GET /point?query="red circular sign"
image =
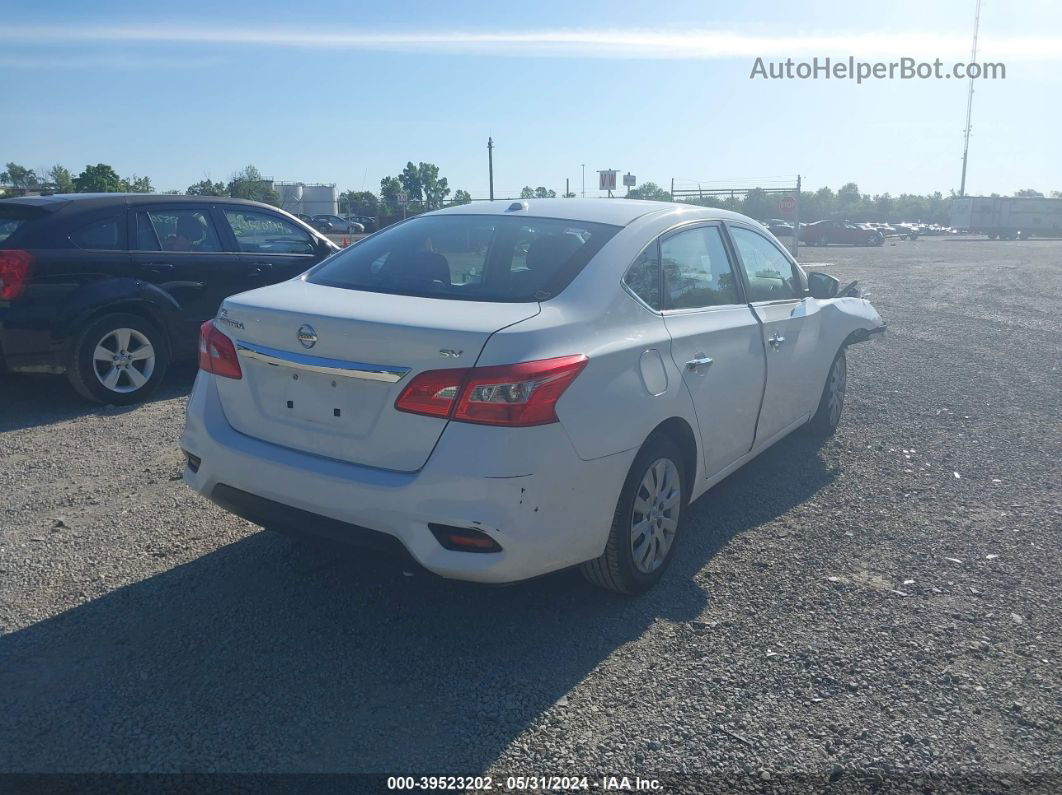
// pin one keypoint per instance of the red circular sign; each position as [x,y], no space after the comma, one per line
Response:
[787,203]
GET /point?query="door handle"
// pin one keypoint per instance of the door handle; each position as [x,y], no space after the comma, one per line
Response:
[261,267]
[776,342]
[157,267]
[700,360]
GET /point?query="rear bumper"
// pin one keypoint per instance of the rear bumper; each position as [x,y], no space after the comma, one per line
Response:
[27,345]
[524,487]
[296,522]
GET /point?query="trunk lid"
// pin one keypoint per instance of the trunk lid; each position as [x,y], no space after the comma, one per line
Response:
[322,366]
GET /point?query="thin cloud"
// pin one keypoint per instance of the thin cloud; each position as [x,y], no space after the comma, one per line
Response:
[130,61]
[605,43]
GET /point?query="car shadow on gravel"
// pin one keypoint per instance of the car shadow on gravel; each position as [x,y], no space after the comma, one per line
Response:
[29,400]
[269,655]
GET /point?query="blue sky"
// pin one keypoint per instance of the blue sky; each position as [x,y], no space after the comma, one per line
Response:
[348,92]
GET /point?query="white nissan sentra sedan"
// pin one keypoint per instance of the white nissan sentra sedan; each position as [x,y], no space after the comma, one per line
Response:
[504,389]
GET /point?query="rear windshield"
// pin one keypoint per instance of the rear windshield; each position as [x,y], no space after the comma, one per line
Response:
[468,258]
[10,220]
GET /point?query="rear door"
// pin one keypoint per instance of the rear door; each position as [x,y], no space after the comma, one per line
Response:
[790,328]
[270,247]
[716,340]
[178,248]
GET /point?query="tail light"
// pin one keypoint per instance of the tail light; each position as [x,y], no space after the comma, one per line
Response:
[509,394]
[217,354]
[15,267]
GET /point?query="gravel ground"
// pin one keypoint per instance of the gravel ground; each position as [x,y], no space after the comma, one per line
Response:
[887,605]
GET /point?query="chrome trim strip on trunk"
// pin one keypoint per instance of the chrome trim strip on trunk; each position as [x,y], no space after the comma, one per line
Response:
[319,364]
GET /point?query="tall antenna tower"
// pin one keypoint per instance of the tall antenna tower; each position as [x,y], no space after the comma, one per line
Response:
[969,101]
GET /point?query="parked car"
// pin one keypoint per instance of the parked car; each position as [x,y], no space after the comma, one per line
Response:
[595,367]
[109,288]
[336,225]
[368,222]
[907,231]
[822,233]
[779,227]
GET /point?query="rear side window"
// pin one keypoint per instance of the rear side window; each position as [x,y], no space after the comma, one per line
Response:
[643,277]
[183,229]
[468,257]
[102,234]
[260,232]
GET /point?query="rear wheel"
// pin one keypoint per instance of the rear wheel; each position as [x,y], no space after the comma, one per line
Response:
[831,404]
[119,358]
[647,521]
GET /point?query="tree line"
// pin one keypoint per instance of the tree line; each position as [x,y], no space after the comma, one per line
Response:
[424,189]
[847,203]
[99,178]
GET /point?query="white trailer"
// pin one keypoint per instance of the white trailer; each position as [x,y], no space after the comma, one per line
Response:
[1008,217]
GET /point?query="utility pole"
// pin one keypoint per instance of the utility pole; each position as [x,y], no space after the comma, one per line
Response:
[567,190]
[584,180]
[490,165]
[672,189]
[969,101]
[796,221]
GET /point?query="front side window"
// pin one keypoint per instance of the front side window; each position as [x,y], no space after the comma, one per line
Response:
[101,234]
[188,230]
[770,274]
[259,232]
[468,257]
[697,270]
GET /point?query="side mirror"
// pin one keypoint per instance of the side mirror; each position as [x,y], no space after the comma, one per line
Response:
[822,285]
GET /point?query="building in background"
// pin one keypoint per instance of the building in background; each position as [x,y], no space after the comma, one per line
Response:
[307,198]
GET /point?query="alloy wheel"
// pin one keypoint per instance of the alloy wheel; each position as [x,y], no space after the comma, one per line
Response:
[123,360]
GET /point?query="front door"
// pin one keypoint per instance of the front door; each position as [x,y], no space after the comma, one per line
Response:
[790,327]
[271,248]
[715,341]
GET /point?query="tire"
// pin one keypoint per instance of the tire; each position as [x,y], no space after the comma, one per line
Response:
[831,404]
[619,568]
[139,352]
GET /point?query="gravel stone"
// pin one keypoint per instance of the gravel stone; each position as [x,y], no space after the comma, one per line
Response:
[155,632]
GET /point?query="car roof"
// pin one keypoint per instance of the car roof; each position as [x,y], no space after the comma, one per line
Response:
[617,211]
[54,201]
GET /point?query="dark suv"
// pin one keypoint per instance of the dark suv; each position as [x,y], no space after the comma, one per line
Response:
[109,288]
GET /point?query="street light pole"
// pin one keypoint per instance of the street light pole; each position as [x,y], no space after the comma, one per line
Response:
[490,165]
[584,180]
